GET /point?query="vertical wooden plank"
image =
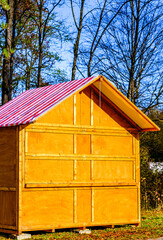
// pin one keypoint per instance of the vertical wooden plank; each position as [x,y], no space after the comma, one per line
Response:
[75,206]
[91,161]
[74,107]
[92,205]
[75,161]
[19,177]
[74,147]
[100,100]
[75,170]
[91,107]
[138,174]
[134,153]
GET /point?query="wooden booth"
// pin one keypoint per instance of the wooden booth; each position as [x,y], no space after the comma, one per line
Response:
[69,157]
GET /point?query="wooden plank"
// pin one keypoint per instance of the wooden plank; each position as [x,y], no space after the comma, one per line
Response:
[92,205]
[75,161]
[77,225]
[91,161]
[82,129]
[7,227]
[9,231]
[20,176]
[67,188]
[79,184]
[68,157]
[51,126]
[74,106]
[75,205]
[91,107]
[100,100]
[8,189]
[138,175]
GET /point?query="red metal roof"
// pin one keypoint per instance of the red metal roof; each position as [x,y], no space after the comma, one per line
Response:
[34,102]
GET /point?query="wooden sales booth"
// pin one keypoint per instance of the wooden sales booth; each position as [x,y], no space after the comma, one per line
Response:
[69,157]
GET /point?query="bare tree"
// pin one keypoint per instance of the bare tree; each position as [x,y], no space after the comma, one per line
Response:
[42,19]
[79,29]
[132,52]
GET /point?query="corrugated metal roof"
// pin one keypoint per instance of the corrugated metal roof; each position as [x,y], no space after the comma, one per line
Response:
[32,103]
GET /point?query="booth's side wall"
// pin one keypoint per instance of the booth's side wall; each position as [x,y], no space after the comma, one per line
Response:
[80,167]
[8,160]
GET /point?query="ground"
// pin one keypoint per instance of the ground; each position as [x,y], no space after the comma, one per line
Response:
[151,228]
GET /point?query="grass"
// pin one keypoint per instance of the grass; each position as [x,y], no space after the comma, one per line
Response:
[151,227]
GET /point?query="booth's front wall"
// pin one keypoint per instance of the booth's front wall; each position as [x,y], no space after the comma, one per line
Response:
[80,167]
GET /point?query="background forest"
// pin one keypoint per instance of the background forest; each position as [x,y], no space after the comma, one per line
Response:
[44,42]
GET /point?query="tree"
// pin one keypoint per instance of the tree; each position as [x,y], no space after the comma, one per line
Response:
[131,52]
[6,83]
[77,40]
[92,27]
[34,27]
[16,17]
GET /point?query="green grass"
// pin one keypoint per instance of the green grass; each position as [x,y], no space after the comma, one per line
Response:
[151,227]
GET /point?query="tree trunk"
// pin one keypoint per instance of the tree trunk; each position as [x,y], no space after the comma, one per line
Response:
[6,81]
[76,44]
[39,82]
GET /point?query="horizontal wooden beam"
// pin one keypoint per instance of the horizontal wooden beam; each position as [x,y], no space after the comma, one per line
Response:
[7,227]
[82,132]
[77,225]
[8,189]
[69,127]
[67,157]
[79,184]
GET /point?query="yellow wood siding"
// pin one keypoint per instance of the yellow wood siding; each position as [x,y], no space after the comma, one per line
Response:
[79,167]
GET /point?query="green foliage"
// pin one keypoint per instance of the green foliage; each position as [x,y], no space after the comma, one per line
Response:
[6,53]
[4,4]
[3,25]
[152,151]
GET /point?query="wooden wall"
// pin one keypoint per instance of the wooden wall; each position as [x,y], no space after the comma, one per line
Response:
[8,159]
[81,166]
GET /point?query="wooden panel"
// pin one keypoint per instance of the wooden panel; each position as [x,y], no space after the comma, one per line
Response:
[50,143]
[106,115]
[8,157]
[112,145]
[83,171]
[116,205]
[83,144]
[7,208]
[47,208]
[85,107]
[60,114]
[48,171]
[112,171]
[83,206]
